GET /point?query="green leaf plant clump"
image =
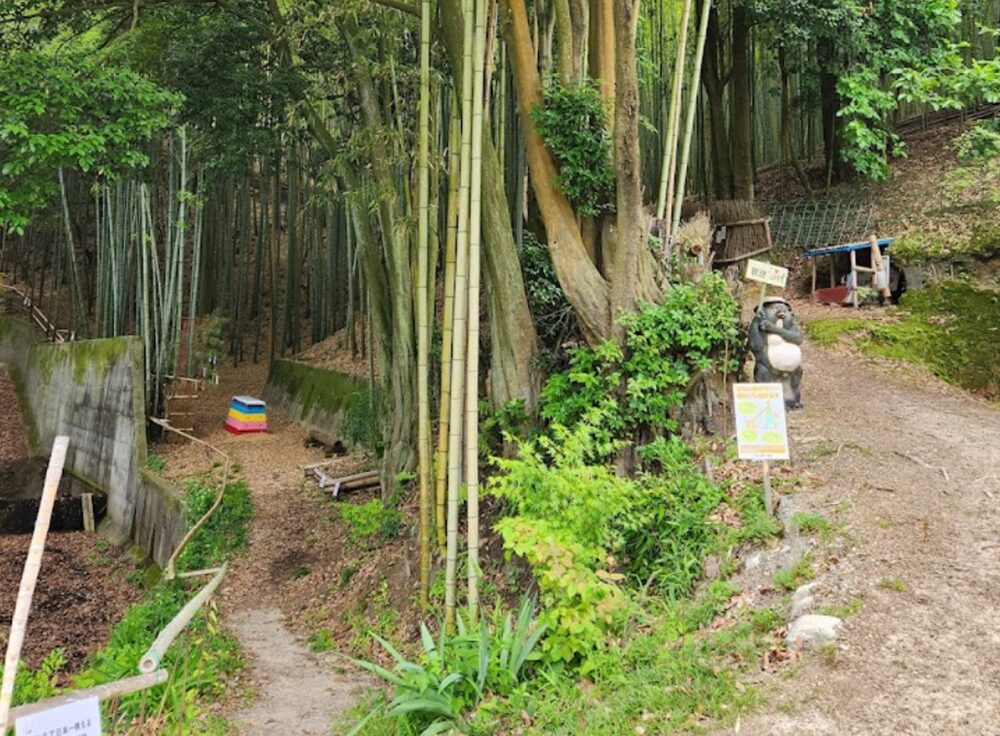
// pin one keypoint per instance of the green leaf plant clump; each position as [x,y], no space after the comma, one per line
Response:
[632,394]
[72,113]
[571,122]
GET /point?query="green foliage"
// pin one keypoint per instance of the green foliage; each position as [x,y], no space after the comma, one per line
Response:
[370,521]
[73,113]
[361,424]
[226,531]
[200,662]
[587,534]
[801,572]
[981,141]
[457,671]
[155,463]
[321,641]
[809,523]
[633,392]
[553,315]
[34,685]
[571,121]
[945,328]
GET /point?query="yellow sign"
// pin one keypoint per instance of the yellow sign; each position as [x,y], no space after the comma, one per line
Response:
[761,432]
[767,273]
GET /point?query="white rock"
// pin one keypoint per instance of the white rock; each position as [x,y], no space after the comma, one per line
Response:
[812,631]
[801,606]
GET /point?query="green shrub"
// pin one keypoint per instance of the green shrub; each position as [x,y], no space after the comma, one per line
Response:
[367,522]
[361,421]
[981,141]
[34,685]
[630,394]
[155,463]
[456,672]
[321,641]
[225,532]
[571,121]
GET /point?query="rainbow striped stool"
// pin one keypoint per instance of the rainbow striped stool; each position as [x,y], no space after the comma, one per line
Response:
[246,414]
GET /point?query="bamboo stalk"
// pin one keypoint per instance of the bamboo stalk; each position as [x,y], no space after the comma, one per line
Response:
[472,344]
[459,327]
[451,238]
[689,124]
[668,168]
[32,566]
[423,322]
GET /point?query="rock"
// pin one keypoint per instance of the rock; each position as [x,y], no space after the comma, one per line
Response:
[753,561]
[786,511]
[801,607]
[812,631]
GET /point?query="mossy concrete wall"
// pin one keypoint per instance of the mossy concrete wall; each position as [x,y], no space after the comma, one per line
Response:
[92,391]
[316,397]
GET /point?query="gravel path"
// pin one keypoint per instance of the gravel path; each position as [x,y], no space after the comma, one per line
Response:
[913,468]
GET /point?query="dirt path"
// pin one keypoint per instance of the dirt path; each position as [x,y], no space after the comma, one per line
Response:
[922,656]
[295,692]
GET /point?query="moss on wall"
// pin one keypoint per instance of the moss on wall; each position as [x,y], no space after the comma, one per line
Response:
[316,388]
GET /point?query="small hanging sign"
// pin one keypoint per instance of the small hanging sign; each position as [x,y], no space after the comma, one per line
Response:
[79,718]
[767,273]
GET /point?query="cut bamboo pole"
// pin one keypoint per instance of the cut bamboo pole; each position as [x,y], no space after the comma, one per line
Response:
[32,567]
[107,691]
[87,502]
[151,659]
[669,166]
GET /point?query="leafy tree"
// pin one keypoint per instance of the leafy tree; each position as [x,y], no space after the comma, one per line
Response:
[69,113]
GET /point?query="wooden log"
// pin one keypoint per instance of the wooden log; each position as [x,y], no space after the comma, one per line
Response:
[878,266]
[87,501]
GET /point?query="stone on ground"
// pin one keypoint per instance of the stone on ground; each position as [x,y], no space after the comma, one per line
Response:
[812,631]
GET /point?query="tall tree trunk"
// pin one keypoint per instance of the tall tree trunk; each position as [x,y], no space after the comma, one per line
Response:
[741,113]
[829,104]
[715,79]
[602,51]
[583,284]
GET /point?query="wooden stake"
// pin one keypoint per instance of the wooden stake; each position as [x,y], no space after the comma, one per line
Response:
[87,501]
[32,567]
[768,497]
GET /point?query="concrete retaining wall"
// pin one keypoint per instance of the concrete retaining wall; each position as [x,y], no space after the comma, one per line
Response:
[316,397]
[92,391]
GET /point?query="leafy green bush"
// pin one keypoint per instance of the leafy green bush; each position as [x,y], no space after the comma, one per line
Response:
[155,463]
[200,661]
[368,521]
[457,671]
[571,122]
[630,394]
[33,685]
[981,141]
[225,532]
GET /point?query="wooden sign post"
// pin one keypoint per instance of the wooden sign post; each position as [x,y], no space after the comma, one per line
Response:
[761,430]
[767,274]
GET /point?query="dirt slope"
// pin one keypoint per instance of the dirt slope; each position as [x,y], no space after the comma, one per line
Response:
[923,654]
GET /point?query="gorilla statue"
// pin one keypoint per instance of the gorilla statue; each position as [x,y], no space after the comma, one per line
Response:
[774,340]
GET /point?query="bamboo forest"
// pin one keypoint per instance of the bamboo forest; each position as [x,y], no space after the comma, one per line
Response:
[499,367]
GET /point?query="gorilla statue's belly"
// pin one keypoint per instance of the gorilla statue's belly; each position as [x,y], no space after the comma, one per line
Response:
[783,356]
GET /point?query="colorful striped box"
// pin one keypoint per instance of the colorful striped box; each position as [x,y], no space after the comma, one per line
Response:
[246,414]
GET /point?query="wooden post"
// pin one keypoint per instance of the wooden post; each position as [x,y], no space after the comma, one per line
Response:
[813,292]
[879,267]
[87,501]
[833,272]
[768,497]
[32,567]
[854,278]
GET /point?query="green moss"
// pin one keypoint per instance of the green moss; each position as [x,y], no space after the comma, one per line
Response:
[950,328]
[316,388]
[828,331]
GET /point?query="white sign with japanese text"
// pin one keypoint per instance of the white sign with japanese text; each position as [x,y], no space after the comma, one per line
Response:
[767,273]
[81,718]
[761,432]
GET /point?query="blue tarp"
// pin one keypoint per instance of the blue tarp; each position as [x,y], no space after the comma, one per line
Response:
[847,247]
